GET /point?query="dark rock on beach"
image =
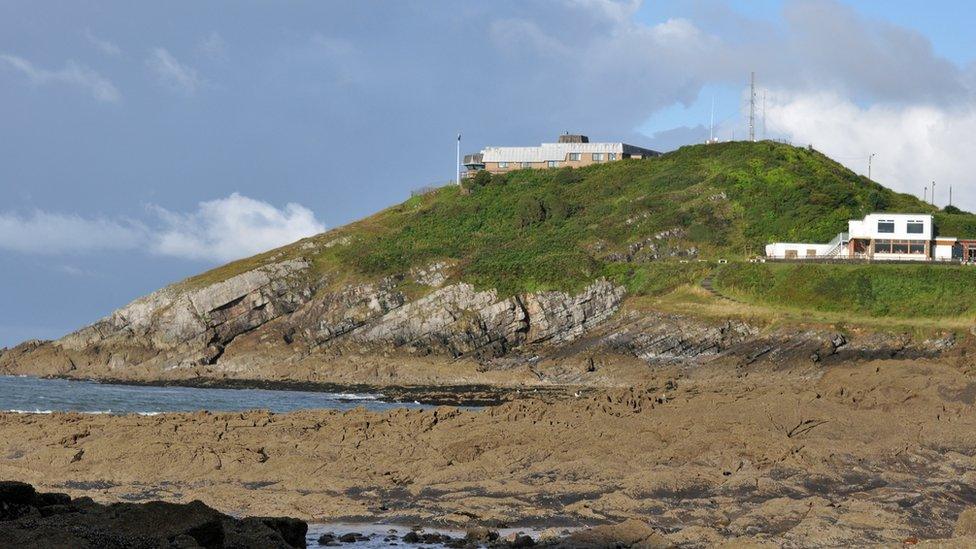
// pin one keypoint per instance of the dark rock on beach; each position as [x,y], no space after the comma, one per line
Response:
[30,519]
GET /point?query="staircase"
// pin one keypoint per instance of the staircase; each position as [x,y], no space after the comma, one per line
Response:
[837,245]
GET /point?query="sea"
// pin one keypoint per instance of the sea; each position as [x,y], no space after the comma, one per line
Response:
[43,396]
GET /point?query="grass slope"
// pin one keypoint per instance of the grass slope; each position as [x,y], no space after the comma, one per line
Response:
[561,228]
[877,290]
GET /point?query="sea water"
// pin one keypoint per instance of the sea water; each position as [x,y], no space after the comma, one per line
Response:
[36,395]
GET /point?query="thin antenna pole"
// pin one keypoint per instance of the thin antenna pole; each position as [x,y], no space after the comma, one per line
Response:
[711,122]
[458,180]
[870,157]
[764,116]
[933,195]
[950,195]
[925,194]
[752,106]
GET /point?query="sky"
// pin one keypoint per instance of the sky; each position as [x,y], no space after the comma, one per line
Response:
[141,142]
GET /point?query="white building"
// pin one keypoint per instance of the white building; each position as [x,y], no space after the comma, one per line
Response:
[881,237]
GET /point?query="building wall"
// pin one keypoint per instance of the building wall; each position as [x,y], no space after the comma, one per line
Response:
[868,227]
[943,252]
[781,250]
[585,160]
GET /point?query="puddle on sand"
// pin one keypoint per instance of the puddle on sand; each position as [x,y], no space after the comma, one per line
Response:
[391,535]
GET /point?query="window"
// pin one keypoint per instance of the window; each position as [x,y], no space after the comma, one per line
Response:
[811,252]
[916,247]
[899,247]
[575,157]
[790,254]
[882,246]
[598,157]
[552,163]
[916,227]
[503,165]
[526,164]
[886,226]
[611,156]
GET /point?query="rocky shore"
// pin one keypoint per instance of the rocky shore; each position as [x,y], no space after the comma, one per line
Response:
[813,455]
[32,519]
[278,323]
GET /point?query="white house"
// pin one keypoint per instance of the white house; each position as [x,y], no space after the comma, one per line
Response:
[881,237]
[887,236]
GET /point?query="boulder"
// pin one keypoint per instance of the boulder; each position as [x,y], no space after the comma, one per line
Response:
[630,533]
[28,519]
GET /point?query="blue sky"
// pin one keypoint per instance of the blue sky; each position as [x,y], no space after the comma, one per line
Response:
[145,142]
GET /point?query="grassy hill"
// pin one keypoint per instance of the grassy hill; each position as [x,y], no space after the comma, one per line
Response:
[632,221]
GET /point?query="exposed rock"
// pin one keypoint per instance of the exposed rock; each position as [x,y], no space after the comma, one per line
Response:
[966,523]
[631,533]
[29,519]
[665,338]
[434,275]
[558,317]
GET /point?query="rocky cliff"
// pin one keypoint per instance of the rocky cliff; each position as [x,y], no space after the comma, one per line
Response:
[280,322]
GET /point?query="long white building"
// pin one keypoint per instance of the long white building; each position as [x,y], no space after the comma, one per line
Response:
[569,151]
[882,237]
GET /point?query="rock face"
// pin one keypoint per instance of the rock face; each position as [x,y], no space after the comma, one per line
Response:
[177,329]
[31,519]
[279,321]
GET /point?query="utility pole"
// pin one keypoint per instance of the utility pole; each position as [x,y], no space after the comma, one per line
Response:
[933,195]
[950,195]
[925,194]
[870,157]
[752,107]
[458,180]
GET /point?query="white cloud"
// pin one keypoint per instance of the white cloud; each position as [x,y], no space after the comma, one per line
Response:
[172,74]
[72,74]
[232,228]
[213,46]
[914,144]
[102,45]
[53,233]
[218,230]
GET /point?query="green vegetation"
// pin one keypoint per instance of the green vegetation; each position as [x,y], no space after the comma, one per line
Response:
[633,221]
[878,290]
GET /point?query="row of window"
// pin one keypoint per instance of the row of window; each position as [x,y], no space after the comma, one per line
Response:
[887,226]
[573,157]
[899,246]
[596,157]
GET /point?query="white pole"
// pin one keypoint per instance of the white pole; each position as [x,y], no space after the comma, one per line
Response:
[458,180]
[711,123]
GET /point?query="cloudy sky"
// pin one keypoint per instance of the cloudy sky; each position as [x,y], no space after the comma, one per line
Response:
[143,142]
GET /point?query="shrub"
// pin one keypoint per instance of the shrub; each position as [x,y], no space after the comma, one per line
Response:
[480,179]
[530,211]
